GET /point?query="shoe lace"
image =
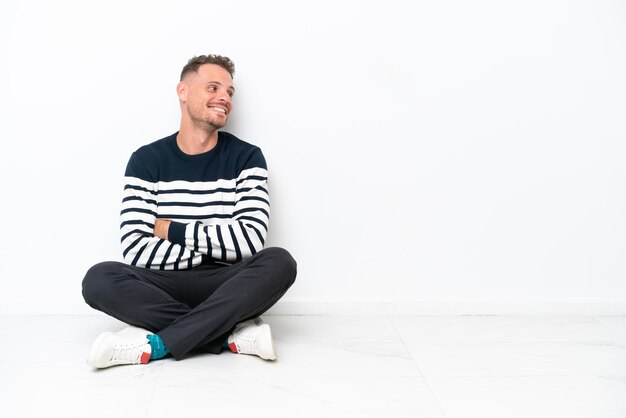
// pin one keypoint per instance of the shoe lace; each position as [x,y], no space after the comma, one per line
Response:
[127,353]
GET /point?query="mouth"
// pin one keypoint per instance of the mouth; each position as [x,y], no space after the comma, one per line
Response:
[219,110]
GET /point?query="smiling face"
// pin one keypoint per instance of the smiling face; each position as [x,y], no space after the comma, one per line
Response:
[206,96]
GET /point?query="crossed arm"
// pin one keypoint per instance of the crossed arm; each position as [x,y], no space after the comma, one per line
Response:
[226,234]
[152,242]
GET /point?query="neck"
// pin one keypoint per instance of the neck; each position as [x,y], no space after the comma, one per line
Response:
[193,140]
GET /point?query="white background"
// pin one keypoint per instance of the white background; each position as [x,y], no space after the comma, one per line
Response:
[443,156]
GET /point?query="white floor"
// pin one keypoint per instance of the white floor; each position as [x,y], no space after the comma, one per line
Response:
[331,366]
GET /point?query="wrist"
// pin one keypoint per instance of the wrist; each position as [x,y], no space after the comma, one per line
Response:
[161,228]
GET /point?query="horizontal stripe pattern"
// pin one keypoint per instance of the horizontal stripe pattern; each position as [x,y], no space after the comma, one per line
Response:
[224,220]
[243,233]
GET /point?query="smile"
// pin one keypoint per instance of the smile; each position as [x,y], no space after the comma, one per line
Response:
[218,109]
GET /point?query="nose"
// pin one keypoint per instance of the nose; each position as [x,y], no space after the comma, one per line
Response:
[224,97]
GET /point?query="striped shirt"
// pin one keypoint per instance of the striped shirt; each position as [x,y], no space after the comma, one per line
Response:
[218,203]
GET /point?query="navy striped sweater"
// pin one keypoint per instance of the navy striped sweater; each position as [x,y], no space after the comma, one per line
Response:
[218,202]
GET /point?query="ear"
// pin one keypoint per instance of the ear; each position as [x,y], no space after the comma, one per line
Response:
[181,90]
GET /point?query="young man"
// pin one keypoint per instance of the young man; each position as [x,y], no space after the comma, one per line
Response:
[194,219]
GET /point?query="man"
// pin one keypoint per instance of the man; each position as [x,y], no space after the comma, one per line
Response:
[194,218]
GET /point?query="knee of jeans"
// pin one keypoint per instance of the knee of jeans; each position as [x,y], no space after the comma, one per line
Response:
[95,283]
[284,263]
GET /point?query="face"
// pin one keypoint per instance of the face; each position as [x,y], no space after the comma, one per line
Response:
[206,96]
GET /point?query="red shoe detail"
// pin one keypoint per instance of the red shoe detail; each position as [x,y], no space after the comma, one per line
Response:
[233,347]
[145,357]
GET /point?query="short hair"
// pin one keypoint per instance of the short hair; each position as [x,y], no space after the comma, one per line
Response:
[194,63]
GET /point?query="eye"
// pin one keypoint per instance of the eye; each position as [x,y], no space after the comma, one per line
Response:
[212,88]
[231,93]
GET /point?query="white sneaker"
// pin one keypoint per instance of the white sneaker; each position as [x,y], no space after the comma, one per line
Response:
[133,330]
[128,346]
[253,337]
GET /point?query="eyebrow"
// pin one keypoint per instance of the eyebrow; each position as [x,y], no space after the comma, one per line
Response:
[217,82]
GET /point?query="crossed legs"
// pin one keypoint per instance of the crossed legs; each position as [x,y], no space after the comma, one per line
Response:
[191,309]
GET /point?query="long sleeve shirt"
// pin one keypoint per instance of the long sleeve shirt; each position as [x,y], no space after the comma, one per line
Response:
[218,203]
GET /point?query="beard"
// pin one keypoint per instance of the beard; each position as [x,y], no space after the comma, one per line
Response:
[205,118]
[216,122]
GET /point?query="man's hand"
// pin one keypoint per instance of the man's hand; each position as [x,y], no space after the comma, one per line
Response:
[161,226]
